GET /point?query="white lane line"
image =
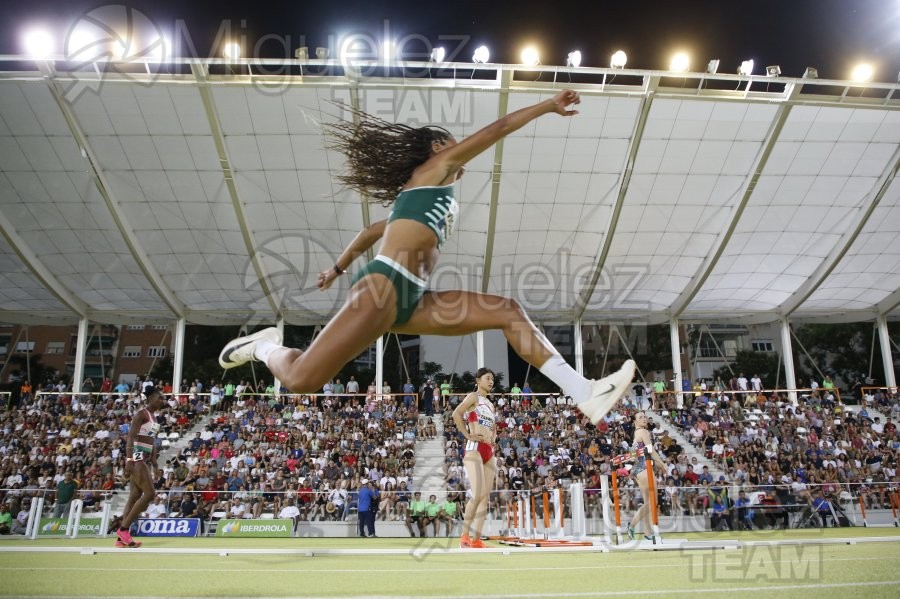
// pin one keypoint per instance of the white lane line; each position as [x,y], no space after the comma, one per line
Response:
[689,591]
[228,568]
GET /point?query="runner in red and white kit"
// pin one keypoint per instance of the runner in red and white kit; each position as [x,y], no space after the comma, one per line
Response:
[474,418]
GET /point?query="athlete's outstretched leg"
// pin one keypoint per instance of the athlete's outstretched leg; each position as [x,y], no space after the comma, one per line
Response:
[368,313]
[466,312]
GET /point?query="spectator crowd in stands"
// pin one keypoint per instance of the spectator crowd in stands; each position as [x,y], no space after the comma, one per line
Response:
[63,445]
[305,457]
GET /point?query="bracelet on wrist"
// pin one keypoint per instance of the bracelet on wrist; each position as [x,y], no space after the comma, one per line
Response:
[338,269]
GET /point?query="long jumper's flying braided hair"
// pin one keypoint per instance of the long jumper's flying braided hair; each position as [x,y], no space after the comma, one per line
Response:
[381,156]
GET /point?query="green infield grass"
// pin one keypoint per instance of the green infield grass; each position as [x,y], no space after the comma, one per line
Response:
[795,570]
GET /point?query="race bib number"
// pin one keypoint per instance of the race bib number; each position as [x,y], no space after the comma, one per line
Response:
[138,456]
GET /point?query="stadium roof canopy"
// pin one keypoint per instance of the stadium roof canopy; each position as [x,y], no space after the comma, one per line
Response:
[200,190]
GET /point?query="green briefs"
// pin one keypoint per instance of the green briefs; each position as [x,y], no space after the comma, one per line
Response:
[410,288]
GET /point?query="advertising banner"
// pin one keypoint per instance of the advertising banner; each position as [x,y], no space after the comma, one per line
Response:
[255,528]
[168,527]
[50,527]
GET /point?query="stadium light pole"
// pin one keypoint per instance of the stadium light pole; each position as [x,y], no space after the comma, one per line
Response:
[887,358]
[579,347]
[80,347]
[178,355]
[788,354]
[676,360]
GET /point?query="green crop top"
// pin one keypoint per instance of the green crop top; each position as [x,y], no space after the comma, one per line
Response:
[434,207]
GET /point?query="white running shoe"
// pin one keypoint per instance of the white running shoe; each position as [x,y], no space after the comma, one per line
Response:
[606,392]
[240,351]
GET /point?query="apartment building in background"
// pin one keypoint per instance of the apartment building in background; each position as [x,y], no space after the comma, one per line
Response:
[122,352]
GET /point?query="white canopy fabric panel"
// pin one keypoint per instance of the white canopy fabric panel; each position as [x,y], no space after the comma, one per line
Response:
[823,170]
[558,185]
[168,150]
[51,200]
[694,158]
[20,290]
[868,273]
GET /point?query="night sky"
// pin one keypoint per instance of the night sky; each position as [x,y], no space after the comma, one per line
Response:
[831,35]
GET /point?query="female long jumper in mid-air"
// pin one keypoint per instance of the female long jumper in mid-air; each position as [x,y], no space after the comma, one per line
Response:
[414,169]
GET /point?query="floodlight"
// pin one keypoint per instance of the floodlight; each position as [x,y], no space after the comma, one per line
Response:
[680,62]
[746,68]
[574,59]
[862,72]
[618,60]
[713,66]
[38,43]
[482,54]
[389,51]
[438,54]
[301,53]
[811,73]
[231,50]
[773,70]
[322,53]
[530,56]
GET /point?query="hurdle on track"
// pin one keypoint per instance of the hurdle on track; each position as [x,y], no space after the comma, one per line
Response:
[645,453]
[522,522]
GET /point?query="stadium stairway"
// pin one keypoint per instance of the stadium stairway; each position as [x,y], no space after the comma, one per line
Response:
[428,474]
[690,450]
[873,412]
[164,455]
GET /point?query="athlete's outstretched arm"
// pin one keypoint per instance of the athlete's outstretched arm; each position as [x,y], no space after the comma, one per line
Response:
[362,242]
[454,157]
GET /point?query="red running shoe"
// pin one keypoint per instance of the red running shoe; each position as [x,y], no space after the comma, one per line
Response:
[124,536]
[477,544]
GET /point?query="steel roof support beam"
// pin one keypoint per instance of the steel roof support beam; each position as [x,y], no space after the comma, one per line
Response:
[201,74]
[112,204]
[40,271]
[887,358]
[637,135]
[843,246]
[579,347]
[178,355]
[80,350]
[678,377]
[496,172]
[889,304]
[762,158]
[787,351]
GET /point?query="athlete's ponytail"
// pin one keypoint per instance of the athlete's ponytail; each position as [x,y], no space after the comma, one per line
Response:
[381,156]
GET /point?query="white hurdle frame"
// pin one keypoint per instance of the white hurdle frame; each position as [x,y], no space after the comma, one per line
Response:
[34,518]
[104,519]
[579,521]
[74,521]
[606,513]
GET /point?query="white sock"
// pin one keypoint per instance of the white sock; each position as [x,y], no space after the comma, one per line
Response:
[264,349]
[573,384]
